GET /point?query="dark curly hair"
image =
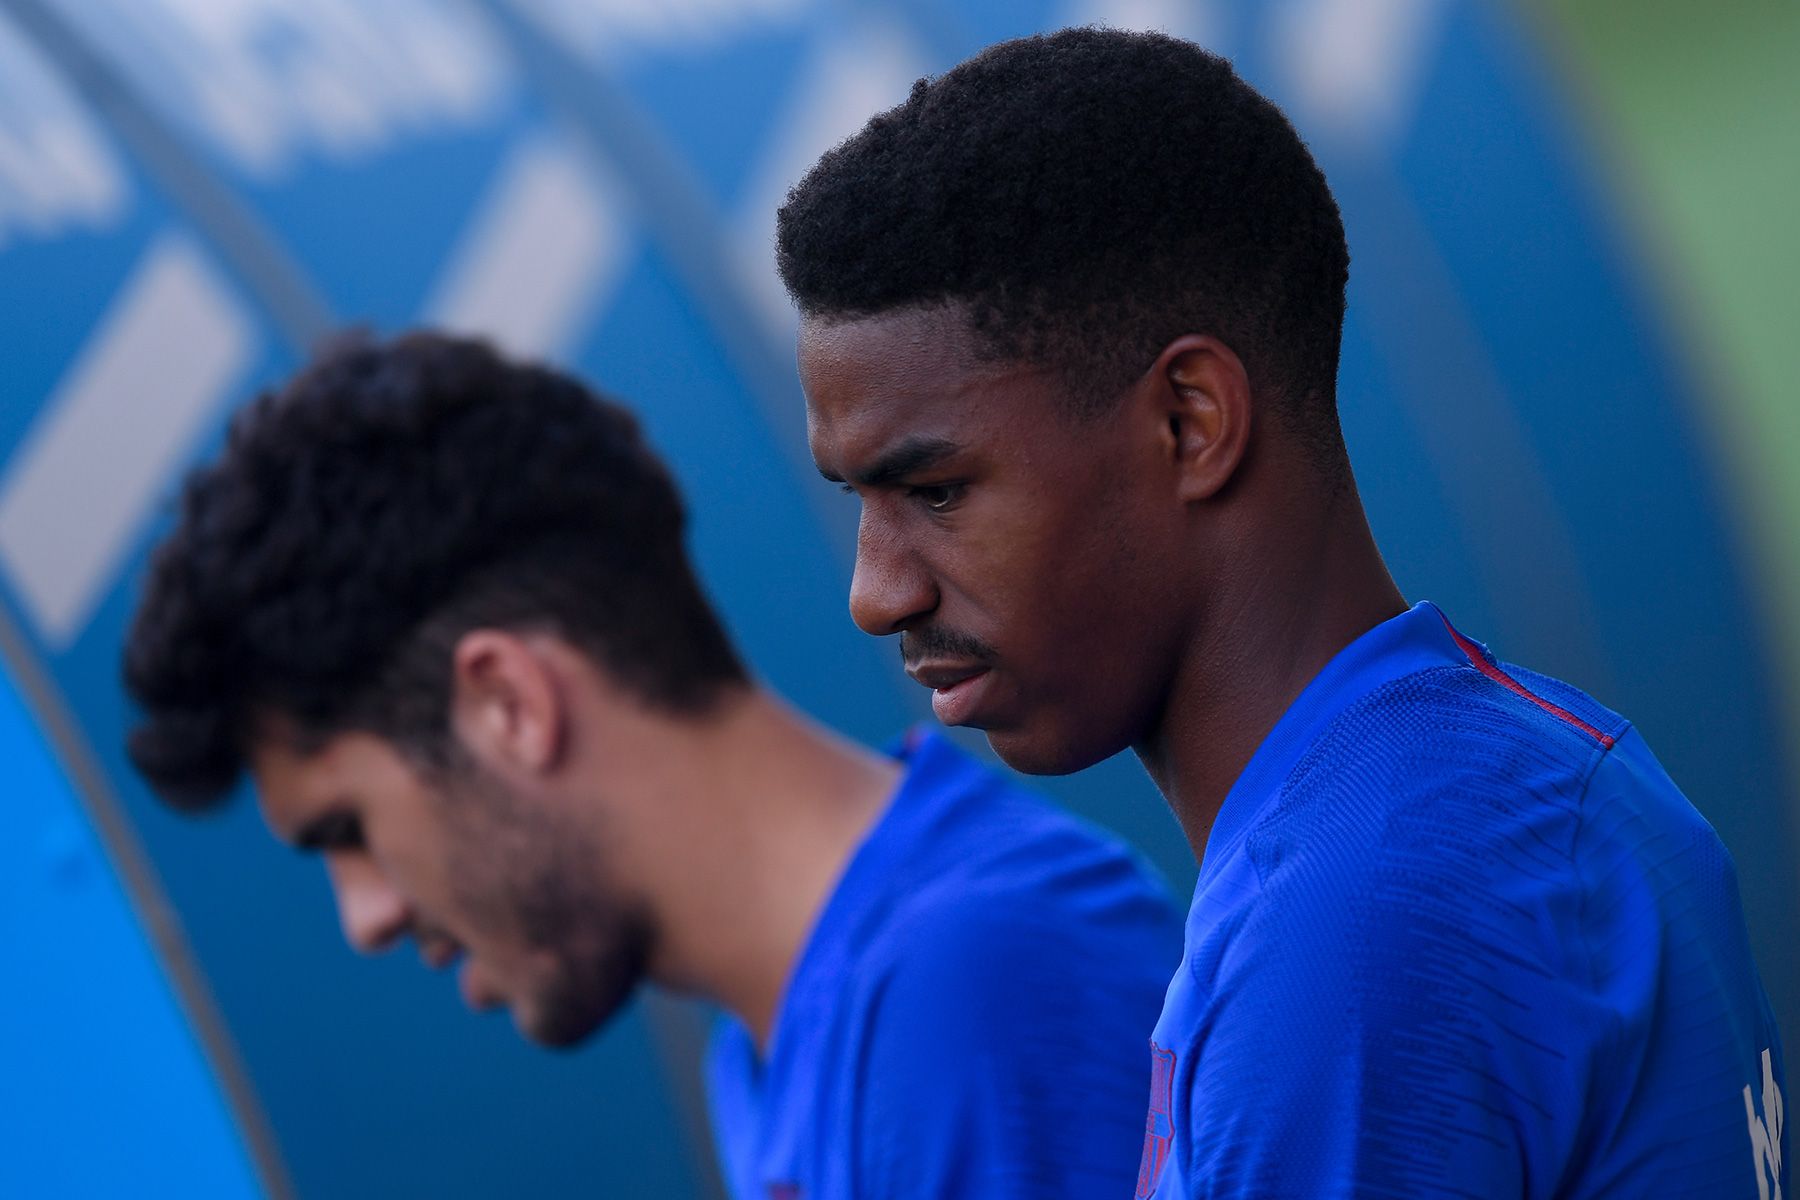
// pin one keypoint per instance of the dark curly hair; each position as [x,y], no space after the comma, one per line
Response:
[389,498]
[1088,196]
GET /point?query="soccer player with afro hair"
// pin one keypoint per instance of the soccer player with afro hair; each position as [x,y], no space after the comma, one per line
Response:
[1070,318]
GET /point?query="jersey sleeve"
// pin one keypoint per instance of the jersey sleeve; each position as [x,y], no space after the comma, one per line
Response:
[1401,1013]
[1005,1057]
[728,1070]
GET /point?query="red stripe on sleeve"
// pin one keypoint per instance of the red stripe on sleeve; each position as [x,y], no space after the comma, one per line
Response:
[1480,663]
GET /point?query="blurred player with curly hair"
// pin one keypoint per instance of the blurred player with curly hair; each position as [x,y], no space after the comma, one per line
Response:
[439,606]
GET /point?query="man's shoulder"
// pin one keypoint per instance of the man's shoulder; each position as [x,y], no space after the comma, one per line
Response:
[1015,985]
[1486,717]
[1444,800]
[1448,753]
[1005,1000]
[997,854]
[1450,814]
[1062,898]
[1079,893]
[1016,894]
[1450,760]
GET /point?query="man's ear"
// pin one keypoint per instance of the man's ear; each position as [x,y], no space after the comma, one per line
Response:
[1201,393]
[508,705]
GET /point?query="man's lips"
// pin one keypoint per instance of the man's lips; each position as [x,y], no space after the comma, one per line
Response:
[439,953]
[478,992]
[942,676]
[956,688]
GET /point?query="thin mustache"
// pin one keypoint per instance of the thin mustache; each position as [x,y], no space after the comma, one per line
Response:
[919,645]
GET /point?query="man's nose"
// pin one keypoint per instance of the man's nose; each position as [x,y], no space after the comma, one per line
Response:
[890,588]
[371,910]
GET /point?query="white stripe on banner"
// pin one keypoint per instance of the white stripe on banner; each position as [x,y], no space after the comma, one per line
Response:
[1196,20]
[850,78]
[127,411]
[1354,68]
[540,250]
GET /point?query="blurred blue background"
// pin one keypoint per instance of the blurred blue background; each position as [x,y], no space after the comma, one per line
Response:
[1540,390]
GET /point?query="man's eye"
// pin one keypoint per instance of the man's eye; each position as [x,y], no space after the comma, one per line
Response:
[349,835]
[333,832]
[940,497]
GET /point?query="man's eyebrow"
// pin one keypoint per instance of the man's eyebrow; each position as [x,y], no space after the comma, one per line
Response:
[329,830]
[900,460]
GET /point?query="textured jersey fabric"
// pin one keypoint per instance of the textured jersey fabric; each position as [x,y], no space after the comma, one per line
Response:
[1456,933]
[968,1016]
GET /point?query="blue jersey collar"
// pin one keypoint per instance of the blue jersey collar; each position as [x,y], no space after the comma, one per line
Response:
[1417,639]
[939,777]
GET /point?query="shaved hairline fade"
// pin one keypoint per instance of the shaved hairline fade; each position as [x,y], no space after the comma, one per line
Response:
[1082,199]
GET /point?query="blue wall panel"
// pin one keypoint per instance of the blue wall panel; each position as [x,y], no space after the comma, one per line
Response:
[106,1092]
[594,182]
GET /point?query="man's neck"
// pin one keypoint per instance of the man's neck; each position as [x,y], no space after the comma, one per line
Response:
[1273,627]
[784,805]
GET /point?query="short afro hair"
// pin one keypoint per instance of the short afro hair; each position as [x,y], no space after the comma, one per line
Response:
[363,517]
[1086,197]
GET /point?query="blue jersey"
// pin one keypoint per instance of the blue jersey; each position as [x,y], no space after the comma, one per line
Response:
[1457,934]
[967,1018]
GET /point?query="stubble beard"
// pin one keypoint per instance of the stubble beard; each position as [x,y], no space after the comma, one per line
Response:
[524,879]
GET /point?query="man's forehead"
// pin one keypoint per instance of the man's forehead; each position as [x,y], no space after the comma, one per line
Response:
[909,375]
[922,352]
[295,778]
[281,780]
[907,337]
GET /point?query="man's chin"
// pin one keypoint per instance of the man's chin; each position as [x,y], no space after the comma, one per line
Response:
[555,1031]
[567,1021]
[1036,751]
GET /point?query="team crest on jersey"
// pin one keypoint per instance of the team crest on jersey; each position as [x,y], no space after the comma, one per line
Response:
[1765,1132]
[1159,1126]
